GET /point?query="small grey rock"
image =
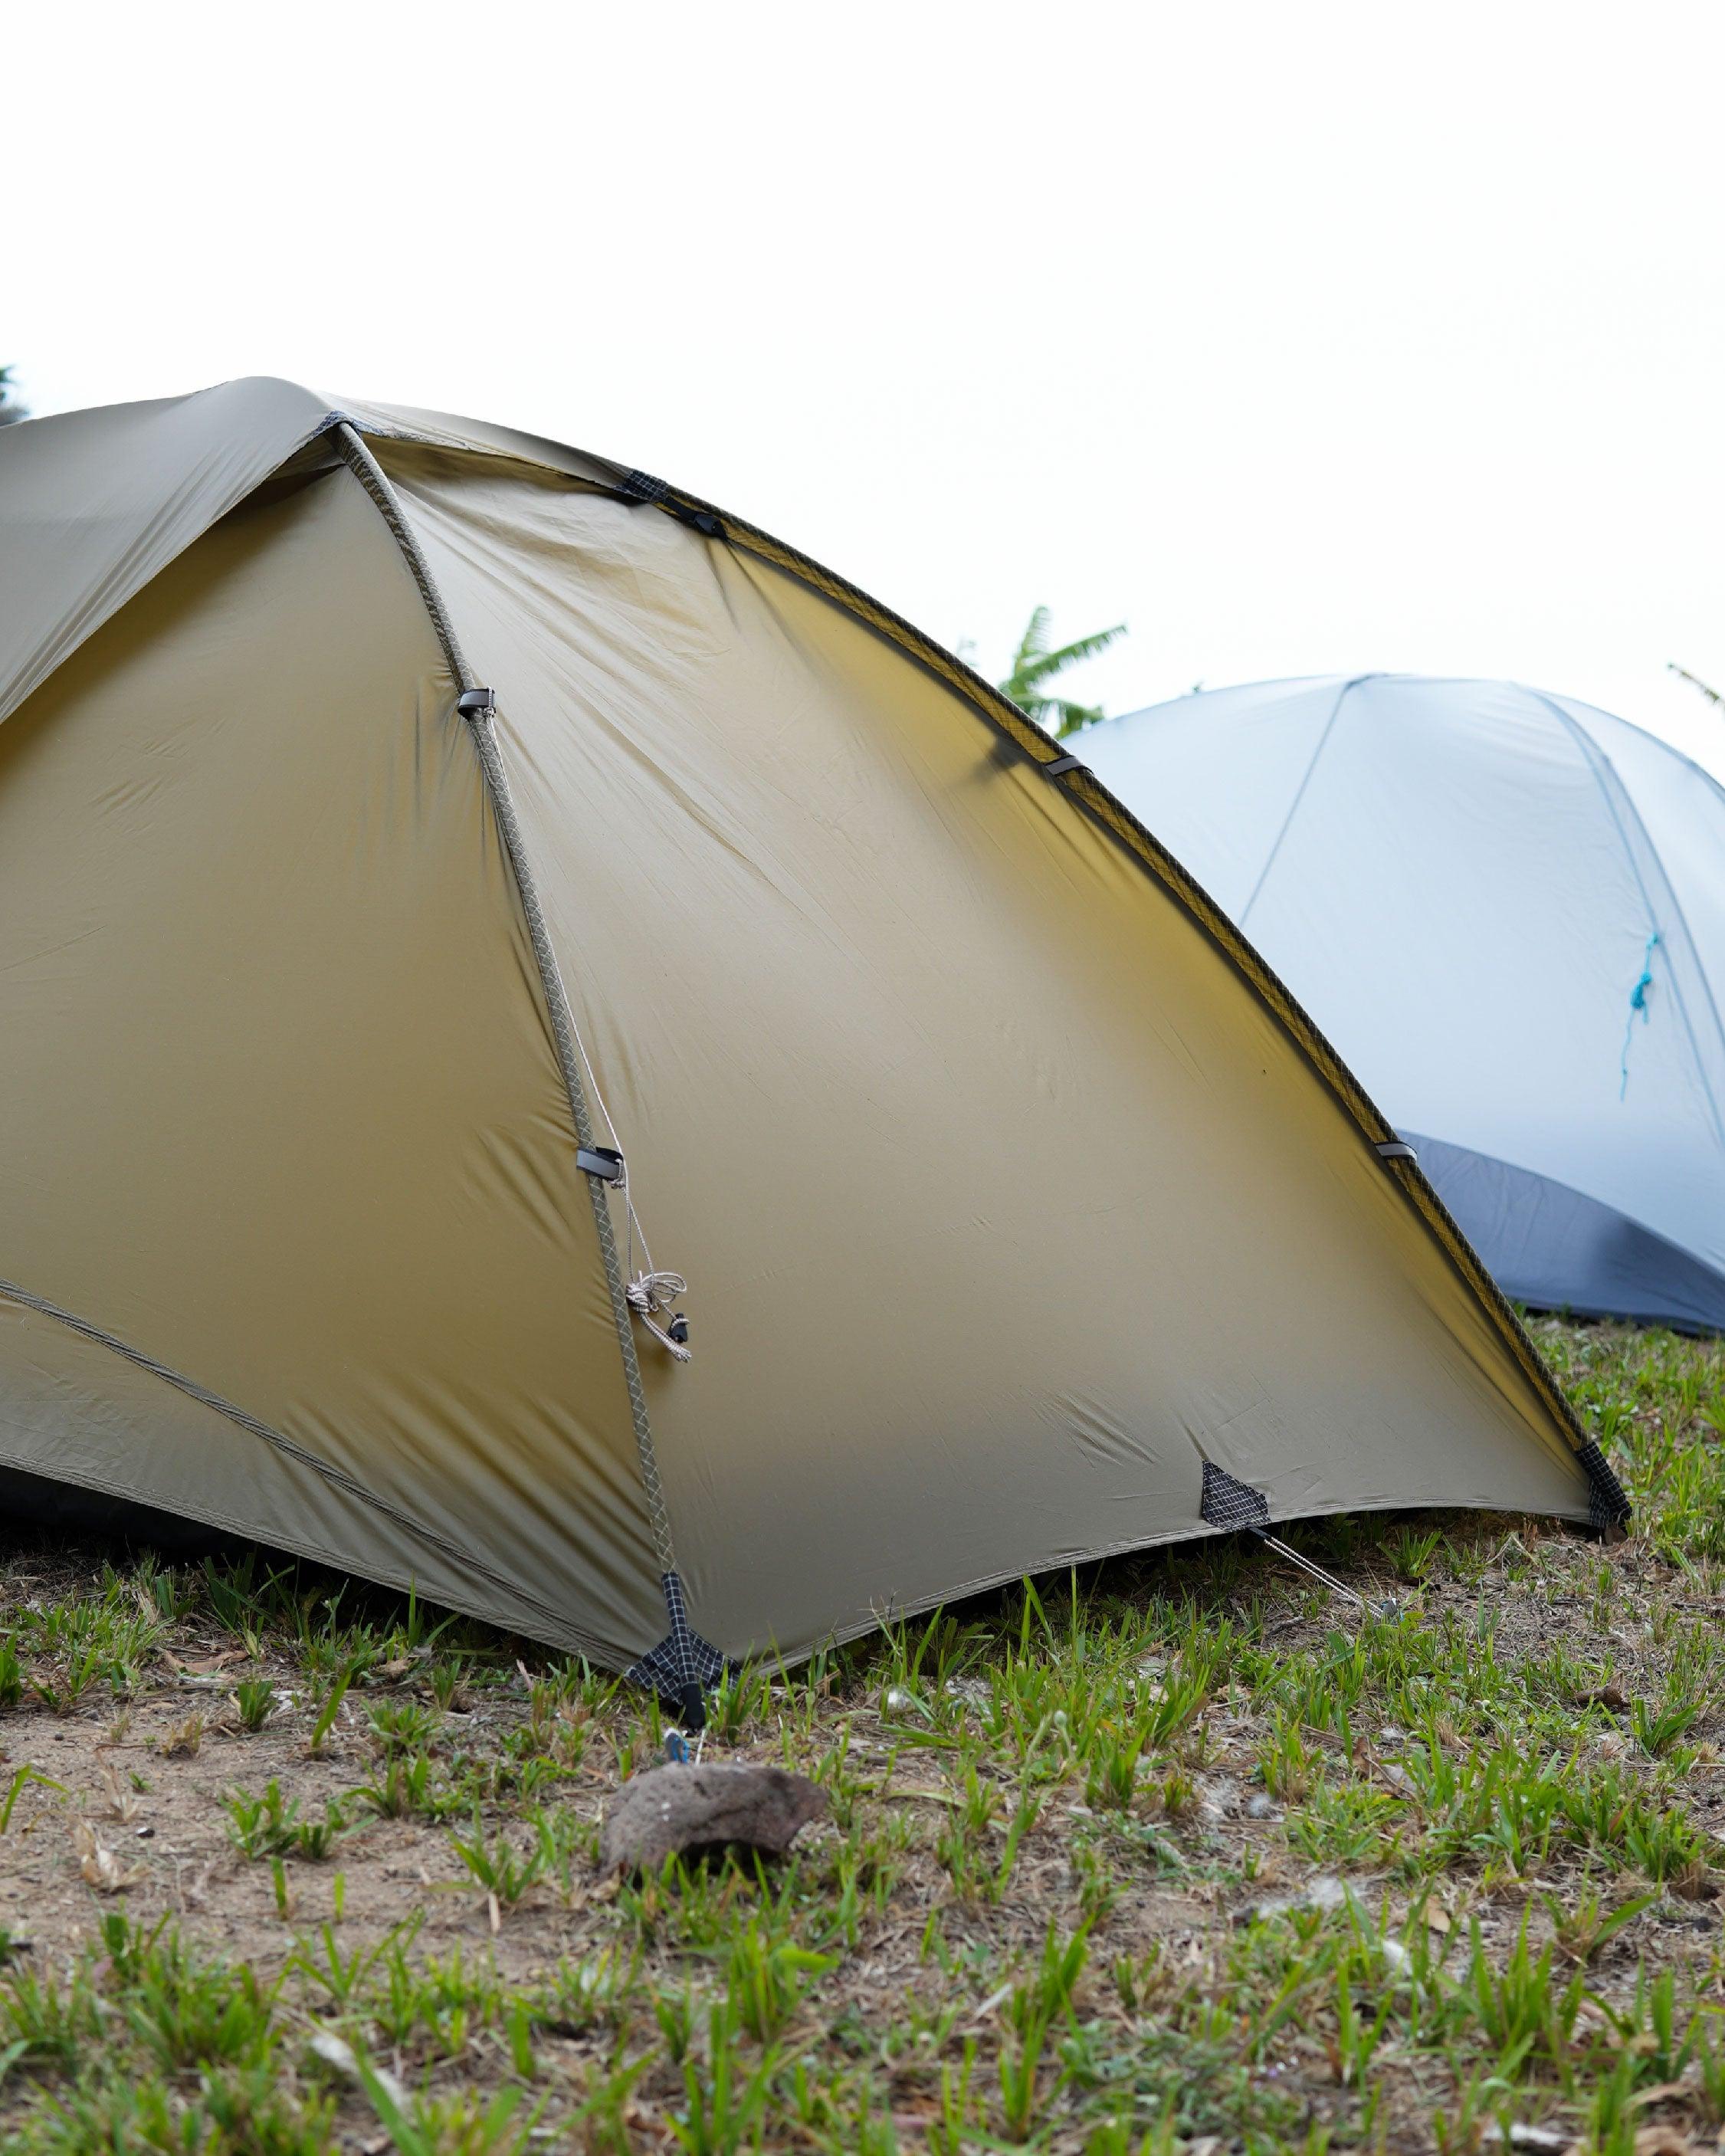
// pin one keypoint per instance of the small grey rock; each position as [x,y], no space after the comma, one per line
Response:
[669,1811]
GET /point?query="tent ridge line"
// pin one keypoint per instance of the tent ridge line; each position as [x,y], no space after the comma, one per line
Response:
[76,633]
[370,476]
[253,1426]
[1094,798]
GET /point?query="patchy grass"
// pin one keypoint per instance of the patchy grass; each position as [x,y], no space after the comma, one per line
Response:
[1178,1852]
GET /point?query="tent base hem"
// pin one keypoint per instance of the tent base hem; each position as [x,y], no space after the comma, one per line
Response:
[60,1504]
[80,1507]
[1580,1515]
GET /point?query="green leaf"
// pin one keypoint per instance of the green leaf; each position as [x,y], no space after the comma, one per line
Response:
[20,1781]
[408,2139]
[1034,664]
[332,1705]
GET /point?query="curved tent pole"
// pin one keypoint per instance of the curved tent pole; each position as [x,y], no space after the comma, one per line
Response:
[1092,798]
[1594,756]
[1069,774]
[1341,696]
[683,1662]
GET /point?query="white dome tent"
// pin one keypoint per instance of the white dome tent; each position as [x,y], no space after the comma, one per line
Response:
[1507,910]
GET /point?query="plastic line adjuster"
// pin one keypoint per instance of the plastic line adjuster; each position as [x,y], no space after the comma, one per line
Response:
[604,1162]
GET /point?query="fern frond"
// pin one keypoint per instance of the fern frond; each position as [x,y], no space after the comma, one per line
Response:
[1033,664]
[1088,647]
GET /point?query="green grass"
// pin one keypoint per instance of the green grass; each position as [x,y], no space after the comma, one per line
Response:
[1178,1848]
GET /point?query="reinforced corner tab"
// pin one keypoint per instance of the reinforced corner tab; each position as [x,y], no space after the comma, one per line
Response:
[1607,1505]
[1230,1504]
[683,1667]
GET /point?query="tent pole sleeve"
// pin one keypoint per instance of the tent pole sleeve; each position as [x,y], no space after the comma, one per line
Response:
[369,473]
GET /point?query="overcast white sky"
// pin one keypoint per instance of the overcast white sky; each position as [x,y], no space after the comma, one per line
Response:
[1304,338]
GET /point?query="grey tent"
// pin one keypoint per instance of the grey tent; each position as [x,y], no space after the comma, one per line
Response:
[433,860]
[1504,907]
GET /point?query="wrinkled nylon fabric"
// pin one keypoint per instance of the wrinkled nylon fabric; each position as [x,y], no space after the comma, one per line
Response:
[1003,1201]
[93,503]
[283,1112]
[79,1415]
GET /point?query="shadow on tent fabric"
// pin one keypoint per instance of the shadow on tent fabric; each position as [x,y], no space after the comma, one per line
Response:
[1552,1248]
[60,1508]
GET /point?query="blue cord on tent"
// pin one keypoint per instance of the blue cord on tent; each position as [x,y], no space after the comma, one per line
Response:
[1638,1002]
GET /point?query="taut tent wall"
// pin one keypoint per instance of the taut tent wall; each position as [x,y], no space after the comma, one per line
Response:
[1504,907]
[382,800]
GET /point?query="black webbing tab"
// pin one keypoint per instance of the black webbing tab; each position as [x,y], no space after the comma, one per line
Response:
[639,487]
[1393,1149]
[1228,1503]
[477,703]
[683,1666]
[1061,765]
[1607,1505]
[604,1162]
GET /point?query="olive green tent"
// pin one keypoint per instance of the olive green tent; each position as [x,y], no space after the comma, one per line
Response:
[400,818]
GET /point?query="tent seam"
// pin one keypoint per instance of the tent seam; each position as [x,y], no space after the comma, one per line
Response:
[78,633]
[383,1575]
[1349,1094]
[370,476]
[254,1426]
[1300,793]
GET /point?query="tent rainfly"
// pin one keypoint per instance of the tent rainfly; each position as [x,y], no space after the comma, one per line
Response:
[1506,908]
[402,820]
